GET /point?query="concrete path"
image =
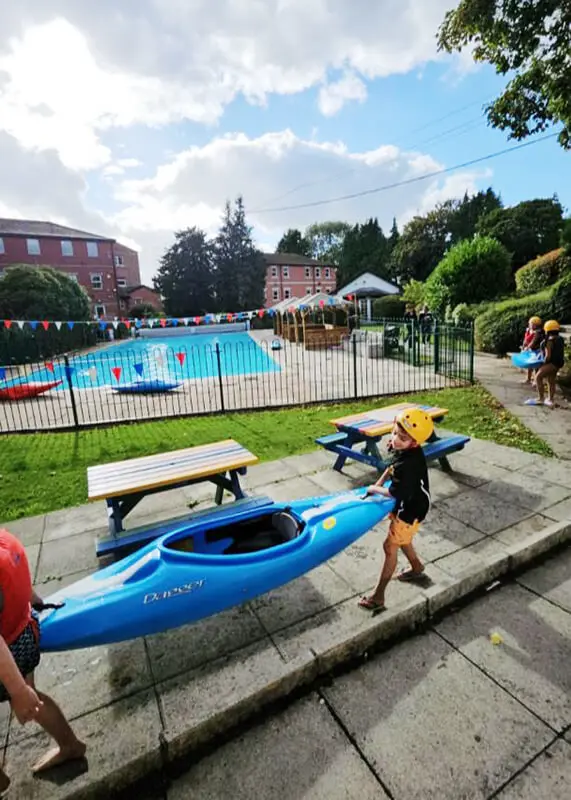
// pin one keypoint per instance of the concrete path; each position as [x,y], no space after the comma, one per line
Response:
[504,381]
[445,715]
[144,704]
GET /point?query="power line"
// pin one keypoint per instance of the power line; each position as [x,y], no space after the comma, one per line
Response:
[407,182]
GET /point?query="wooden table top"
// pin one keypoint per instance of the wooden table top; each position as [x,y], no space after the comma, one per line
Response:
[166,469]
[379,421]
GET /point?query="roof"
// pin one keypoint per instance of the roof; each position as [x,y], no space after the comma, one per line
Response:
[29,227]
[283,305]
[293,260]
[313,300]
[368,285]
[127,290]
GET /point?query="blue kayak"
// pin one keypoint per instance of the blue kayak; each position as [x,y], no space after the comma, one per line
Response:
[528,359]
[207,565]
[146,387]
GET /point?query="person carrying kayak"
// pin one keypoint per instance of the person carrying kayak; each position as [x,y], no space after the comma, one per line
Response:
[532,341]
[554,357]
[20,655]
[409,487]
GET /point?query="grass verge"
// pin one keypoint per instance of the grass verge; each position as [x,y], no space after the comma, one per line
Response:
[47,471]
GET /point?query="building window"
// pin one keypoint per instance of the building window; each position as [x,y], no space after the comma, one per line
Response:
[66,247]
[72,276]
[274,272]
[33,246]
[318,289]
[287,294]
[317,272]
[275,294]
[122,305]
[119,261]
[327,272]
[99,311]
[122,283]
[308,272]
[92,249]
[286,272]
[2,248]
[308,289]
[96,280]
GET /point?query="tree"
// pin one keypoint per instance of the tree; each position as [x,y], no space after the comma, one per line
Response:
[527,230]
[529,39]
[364,249]
[327,239]
[41,293]
[239,266]
[421,245]
[394,236]
[293,241]
[185,276]
[466,213]
[566,236]
[143,310]
[472,271]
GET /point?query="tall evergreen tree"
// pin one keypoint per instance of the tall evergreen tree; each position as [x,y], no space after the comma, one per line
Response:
[394,236]
[185,276]
[293,241]
[364,249]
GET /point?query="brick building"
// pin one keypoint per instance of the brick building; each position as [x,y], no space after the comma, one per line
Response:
[289,275]
[107,270]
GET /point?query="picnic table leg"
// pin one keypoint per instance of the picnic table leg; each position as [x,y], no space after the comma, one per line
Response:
[372,449]
[114,516]
[231,484]
[445,464]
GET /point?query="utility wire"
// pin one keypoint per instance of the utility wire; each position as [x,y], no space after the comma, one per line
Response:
[407,182]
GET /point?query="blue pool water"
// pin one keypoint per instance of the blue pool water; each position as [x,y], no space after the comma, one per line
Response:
[166,359]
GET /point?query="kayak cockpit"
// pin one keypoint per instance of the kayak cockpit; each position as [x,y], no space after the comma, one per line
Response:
[236,538]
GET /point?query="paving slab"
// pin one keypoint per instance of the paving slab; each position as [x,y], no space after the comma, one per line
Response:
[33,554]
[532,661]
[552,579]
[560,511]
[268,472]
[468,739]
[443,484]
[29,530]
[470,470]
[70,521]
[473,557]
[549,776]
[291,489]
[303,597]
[486,513]
[516,533]
[300,755]
[183,649]
[308,463]
[65,556]
[122,743]
[528,492]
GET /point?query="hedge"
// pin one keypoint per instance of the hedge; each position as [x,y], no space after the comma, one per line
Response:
[542,272]
[24,346]
[500,329]
[389,307]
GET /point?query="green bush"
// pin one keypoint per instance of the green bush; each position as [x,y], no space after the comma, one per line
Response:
[22,346]
[542,272]
[473,270]
[389,307]
[414,293]
[501,328]
[562,299]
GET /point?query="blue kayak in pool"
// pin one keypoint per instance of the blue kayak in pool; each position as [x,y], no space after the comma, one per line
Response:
[206,565]
[152,386]
[527,360]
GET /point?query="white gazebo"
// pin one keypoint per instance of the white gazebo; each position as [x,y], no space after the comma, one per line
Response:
[366,286]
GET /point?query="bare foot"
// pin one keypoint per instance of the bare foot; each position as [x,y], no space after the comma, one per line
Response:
[4,782]
[57,756]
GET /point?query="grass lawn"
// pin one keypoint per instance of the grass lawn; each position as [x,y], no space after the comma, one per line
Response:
[47,471]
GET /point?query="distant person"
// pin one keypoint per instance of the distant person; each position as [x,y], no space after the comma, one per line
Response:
[554,358]
[20,655]
[425,320]
[532,341]
[409,487]
[410,318]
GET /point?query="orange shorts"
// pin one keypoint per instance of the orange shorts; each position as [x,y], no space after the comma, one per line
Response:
[401,533]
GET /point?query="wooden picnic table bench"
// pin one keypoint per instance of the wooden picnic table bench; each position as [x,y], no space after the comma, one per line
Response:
[369,427]
[123,484]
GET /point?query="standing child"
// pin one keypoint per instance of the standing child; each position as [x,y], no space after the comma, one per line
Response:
[532,342]
[554,352]
[20,655]
[409,486]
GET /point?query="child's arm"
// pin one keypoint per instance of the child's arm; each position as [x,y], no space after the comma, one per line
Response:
[377,487]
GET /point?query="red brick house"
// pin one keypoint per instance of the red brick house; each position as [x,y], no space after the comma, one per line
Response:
[107,270]
[289,275]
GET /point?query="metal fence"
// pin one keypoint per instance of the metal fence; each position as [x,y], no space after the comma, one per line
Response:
[386,357]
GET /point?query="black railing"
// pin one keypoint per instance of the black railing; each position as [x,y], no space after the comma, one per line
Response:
[160,378]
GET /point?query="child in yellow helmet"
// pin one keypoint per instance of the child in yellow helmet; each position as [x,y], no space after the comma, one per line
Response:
[554,358]
[532,341]
[409,487]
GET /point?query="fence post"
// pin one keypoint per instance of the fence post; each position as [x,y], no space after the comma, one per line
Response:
[436,347]
[220,383]
[472,353]
[355,390]
[68,371]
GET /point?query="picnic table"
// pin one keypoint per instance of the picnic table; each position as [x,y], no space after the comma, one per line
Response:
[123,484]
[369,427]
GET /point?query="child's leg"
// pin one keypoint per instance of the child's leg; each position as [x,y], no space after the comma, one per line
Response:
[551,385]
[539,378]
[416,565]
[53,722]
[387,571]
[4,781]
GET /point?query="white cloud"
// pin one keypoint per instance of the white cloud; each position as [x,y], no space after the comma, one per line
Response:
[333,96]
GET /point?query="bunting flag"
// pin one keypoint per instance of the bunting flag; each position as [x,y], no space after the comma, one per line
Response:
[102,326]
[50,366]
[70,325]
[163,322]
[117,372]
[181,356]
[58,325]
[69,372]
[115,324]
[2,373]
[8,324]
[139,368]
[45,324]
[33,325]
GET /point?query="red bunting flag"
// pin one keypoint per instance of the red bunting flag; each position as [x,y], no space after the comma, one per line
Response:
[50,366]
[163,322]
[349,297]
[45,325]
[197,320]
[8,324]
[261,312]
[181,356]
[128,324]
[321,303]
[117,372]
[229,317]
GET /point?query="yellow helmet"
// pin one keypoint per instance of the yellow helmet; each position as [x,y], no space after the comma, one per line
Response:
[535,320]
[416,423]
[551,325]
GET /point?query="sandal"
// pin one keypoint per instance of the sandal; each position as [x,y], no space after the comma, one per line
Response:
[411,575]
[371,605]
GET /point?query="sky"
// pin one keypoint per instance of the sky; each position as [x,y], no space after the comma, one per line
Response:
[137,118]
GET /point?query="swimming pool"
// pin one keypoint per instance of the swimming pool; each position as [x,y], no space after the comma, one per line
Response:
[167,359]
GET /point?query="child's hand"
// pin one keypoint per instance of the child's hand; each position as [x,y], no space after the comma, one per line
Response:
[26,704]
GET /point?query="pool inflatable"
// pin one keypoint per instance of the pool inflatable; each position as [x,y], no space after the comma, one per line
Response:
[23,391]
[146,387]
[203,566]
[528,359]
